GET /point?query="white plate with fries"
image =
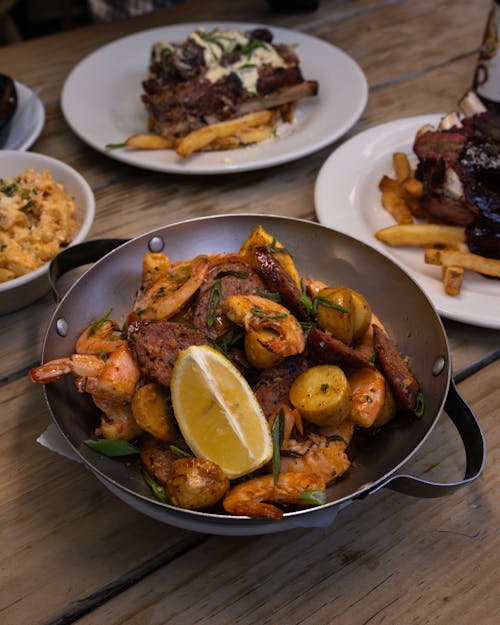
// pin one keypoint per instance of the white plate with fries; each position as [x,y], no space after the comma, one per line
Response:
[101,101]
[348,199]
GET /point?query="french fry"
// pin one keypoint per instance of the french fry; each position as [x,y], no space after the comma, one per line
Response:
[387,184]
[148,142]
[394,205]
[198,139]
[401,166]
[413,187]
[452,280]
[421,235]
[466,260]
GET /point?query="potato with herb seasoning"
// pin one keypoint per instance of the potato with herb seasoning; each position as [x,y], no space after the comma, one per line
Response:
[334,312]
[260,238]
[153,413]
[322,395]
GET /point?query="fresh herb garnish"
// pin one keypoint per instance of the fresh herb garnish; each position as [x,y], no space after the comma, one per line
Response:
[305,300]
[214,298]
[261,314]
[112,447]
[326,302]
[157,489]
[275,297]
[227,340]
[277,432]
[98,323]
[8,189]
[180,452]
[420,406]
[313,497]
[114,146]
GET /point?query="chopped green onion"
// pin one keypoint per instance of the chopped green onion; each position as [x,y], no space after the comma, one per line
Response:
[98,323]
[277,437]
[112,447]
[114,146]
[214,298]
[274,297]
[157,489]
[326,302]
[180,452]
[314,497]
[258,312]
[420,406]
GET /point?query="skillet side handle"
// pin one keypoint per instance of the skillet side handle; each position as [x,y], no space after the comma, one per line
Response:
[474,446]
[77,255]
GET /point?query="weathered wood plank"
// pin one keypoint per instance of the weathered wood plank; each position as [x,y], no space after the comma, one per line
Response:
[387,559]
[64,536]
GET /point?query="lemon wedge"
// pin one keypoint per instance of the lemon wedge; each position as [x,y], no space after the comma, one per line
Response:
[217,412]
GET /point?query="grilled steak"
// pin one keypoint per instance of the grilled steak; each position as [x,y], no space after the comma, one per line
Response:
[219,75]
[460,171]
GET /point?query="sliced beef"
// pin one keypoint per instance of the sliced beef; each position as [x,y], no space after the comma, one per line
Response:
[156,345]
[273,385]
[441,207]
[228,278]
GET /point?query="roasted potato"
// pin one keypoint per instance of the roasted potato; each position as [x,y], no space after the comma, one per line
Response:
[153,413]
[322,394]
[361,313]
[388,410]
[334,314]
[260,238]
[260,356]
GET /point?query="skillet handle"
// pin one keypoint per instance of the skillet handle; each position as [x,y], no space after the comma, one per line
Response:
[474,446]
[77,255]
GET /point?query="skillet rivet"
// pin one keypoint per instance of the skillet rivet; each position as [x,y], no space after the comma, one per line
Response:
[156,244]
[62,327]
[438,365]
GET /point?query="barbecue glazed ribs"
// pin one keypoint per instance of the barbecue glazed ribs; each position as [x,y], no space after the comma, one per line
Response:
[217,75]
[459,165]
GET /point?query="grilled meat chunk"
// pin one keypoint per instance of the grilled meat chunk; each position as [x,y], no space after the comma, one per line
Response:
[402,381]
[326,349]
[279,281]
[156,345]
[273,385]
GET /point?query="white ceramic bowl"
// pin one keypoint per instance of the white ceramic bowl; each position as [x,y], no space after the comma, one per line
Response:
[19,292]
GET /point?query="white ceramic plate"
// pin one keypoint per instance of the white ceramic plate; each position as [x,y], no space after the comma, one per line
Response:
[27,123]
[101,101]
[347,199]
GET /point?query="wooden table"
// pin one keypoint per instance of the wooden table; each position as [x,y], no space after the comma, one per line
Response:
[72,552]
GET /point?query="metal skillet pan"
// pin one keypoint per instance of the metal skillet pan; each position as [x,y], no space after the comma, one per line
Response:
[320,253]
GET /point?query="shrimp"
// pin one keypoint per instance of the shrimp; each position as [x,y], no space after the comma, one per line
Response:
[316,454]
[166,296]
[365,343]
[251,498]
[368,388]
[313,287]
[116,381]
[155,265]
[100,338]
[117,421]
[268,325]
[79,365]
